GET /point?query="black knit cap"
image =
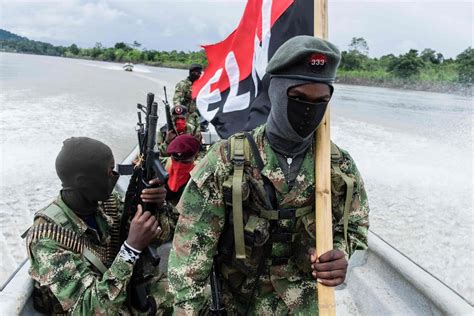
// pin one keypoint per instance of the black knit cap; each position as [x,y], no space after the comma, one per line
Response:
[195,66]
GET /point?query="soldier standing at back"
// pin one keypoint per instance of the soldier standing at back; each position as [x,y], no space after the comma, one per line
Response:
[250,201]
[183,93]
[77,264]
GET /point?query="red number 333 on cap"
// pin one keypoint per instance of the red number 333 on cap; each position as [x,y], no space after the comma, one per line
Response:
[317,60]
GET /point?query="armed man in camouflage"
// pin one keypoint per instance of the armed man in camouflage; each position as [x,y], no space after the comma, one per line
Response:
[77,262]
[181,126]
[183,96]
[250,201]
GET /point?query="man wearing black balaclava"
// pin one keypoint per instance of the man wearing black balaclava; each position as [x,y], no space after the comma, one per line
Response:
[183,94]
[250,201]
[76,261]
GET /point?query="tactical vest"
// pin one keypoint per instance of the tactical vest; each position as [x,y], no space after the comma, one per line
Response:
[253,232]
[59,228]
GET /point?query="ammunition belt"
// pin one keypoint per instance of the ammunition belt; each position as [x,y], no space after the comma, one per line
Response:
[66,238]
[111,210]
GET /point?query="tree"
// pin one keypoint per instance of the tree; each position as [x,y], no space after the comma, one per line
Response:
[119,54]
[430,56]
[407,66]
[108,54]
[359,45]
[439,58]
[133,55]
[465,66]
[386,60]
[74,49]
[97,50]
[356,58]
[123,46]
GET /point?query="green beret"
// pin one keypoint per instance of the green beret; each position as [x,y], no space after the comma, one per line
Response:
[305,57]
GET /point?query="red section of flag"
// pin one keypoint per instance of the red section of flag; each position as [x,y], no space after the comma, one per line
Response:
[240,42]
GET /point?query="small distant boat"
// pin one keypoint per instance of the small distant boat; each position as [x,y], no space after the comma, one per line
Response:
[128,67]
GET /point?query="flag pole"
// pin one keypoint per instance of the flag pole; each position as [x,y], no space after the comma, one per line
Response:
[322,168]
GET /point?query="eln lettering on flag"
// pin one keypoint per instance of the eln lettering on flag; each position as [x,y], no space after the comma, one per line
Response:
[232,92]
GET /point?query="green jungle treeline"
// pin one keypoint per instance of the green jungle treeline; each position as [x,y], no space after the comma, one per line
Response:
[427,66]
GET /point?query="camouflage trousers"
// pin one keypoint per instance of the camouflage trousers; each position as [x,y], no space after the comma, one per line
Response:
[267,301]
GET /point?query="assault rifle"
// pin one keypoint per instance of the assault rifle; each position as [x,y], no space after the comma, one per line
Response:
[169,120]
[217,308]
[146,168]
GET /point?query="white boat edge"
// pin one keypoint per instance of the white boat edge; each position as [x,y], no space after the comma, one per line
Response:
[380,281]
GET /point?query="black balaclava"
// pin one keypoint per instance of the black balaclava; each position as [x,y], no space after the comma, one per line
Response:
[291,123]
[83,166]
[195,72]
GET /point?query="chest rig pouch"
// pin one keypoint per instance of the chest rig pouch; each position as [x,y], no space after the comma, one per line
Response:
[254,230]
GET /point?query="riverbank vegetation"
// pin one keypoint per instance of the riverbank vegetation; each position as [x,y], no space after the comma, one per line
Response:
[425,70]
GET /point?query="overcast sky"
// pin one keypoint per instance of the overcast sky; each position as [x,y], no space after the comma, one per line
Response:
[388,26]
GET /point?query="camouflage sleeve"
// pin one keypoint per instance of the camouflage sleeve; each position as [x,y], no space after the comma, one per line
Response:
[179,97]
[201,220]
[193,119]
[162,149]
[358,223]
[167,219]
[70,278]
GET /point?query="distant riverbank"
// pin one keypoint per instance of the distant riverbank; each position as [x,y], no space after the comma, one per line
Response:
[388,82]
[428,86]
[344,78]
[441,87]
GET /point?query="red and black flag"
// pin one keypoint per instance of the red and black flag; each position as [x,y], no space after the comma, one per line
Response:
[232,92]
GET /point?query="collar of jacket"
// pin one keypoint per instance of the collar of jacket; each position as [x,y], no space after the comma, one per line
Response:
[80,227]
[304,180]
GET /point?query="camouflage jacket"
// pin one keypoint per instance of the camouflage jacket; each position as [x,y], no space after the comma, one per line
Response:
[182,95]
[204,224]
[76,284]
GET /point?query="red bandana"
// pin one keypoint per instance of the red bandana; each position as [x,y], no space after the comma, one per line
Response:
[179,174]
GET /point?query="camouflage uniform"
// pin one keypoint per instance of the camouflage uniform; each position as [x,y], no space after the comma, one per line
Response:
[75,283]
[182,96]
[205,228]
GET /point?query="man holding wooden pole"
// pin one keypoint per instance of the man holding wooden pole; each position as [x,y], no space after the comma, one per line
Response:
[250,202]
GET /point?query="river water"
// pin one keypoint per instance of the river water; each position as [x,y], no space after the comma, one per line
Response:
[414,151]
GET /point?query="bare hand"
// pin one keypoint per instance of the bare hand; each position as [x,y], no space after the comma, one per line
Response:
[330,268]
[143,229]
[154,195]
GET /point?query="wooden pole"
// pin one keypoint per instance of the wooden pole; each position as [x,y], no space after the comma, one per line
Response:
[322,168]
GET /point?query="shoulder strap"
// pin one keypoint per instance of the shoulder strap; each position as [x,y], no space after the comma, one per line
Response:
[238,160]
[269,189]
[336,159]
[239,153]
